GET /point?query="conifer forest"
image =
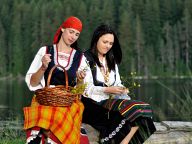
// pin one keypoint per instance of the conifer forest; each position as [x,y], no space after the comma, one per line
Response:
[155,35]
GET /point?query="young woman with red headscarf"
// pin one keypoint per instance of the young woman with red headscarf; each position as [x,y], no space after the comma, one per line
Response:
[55,124]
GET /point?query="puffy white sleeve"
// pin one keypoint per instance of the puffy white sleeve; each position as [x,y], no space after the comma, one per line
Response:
[119,83]
[94,92]
[83,64]
[34,67]
[118,79]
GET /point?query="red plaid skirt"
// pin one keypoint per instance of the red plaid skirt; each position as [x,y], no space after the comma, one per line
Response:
[63,122]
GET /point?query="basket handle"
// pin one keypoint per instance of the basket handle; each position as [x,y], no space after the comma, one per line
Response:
[50,74]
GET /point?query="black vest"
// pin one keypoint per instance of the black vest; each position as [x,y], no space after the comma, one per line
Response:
[92,64]
[58,77]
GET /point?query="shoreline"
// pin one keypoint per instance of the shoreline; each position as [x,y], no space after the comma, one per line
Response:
[21,77]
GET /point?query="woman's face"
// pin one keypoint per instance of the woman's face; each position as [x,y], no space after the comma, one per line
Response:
[105,43]
[69,35]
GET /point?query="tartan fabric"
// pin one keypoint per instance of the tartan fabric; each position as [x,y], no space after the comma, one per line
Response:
[130,109]
[63,122]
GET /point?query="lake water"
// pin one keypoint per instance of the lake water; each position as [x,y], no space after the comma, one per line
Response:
[14,95]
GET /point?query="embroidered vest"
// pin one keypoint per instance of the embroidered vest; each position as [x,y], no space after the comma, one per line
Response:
[92,65]
[58,77]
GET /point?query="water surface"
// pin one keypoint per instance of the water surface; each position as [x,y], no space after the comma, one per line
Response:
[14,95]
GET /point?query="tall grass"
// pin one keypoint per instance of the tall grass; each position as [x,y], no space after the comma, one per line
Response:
[182,107]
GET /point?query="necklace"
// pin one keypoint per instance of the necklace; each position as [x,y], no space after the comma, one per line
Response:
[105,72]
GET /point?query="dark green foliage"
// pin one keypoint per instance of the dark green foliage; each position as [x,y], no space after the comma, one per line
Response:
[155,35]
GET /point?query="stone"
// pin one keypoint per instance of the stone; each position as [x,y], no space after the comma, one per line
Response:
[160,128]
[168,132]
[92,134]
[170,138]
[178,125]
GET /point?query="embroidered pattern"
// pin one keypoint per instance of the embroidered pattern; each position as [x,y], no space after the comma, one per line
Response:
[63,56]
[69,58]
[111,135]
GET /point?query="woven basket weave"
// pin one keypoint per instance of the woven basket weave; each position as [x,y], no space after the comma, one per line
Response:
[59,95]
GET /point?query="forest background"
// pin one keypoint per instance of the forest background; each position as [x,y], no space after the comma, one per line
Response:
[155,35]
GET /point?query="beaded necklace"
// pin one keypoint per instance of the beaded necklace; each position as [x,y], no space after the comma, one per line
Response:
[105,71]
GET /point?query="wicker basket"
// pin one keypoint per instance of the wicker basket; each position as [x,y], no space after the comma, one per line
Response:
[59,95]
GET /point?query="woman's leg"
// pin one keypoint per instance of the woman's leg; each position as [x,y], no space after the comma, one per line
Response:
[127,139]
[102,119]
[137,114]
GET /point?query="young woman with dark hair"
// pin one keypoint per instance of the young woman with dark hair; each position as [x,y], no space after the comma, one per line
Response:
[108,108]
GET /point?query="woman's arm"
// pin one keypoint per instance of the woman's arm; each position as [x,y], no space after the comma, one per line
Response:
[114,90]
[37,76]
[99,93]
[81,72]
[36,68]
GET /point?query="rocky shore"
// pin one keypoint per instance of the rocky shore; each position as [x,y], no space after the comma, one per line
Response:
[168,132]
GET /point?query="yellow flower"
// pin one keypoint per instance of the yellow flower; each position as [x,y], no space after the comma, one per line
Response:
[79,89]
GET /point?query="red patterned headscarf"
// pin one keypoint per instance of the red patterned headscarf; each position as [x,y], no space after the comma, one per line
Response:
[71,22]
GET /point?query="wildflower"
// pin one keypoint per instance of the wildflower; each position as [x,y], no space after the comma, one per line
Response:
[130,83]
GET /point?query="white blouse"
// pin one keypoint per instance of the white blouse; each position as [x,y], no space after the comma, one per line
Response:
[36,64]
[97,92]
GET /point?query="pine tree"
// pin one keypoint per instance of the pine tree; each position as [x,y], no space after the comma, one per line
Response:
[139,45]
[127,37]
[3,52]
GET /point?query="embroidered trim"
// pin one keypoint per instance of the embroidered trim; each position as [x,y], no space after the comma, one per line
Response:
[111,135]
[55,55]
[63,56]
[70,59]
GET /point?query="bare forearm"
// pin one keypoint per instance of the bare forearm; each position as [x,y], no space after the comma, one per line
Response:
[107,90]
[36,77]
[114,90]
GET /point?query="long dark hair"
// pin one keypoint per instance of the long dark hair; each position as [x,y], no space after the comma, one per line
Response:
[114,55]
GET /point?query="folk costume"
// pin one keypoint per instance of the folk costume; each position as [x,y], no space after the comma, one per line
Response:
[64,123]
[113,116]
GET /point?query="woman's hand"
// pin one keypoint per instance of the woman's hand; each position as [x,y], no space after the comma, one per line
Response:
[116,90]
[36,77]
[80,76]
[45,61]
